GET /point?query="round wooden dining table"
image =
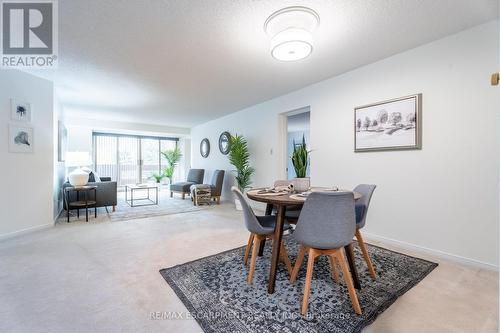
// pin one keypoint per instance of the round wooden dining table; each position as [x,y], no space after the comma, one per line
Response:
[281,201]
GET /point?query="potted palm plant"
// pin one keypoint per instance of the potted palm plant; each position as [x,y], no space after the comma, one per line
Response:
[239,157]
[157,177]
[173,157]
[300,161]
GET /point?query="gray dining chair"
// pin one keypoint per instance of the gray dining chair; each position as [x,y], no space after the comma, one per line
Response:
[261,228]
[292,213]
[361,207]
[326,224]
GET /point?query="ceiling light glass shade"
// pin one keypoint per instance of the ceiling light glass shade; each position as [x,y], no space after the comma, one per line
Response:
[291,44]
[291,30]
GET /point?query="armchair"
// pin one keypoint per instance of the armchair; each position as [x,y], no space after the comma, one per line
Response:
[195,176]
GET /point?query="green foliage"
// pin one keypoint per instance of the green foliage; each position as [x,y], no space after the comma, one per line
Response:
[300,158]
[239,157]
[157,177]
[173,156]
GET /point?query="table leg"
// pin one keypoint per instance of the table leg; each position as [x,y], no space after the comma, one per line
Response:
[269,210]
[349,251]
[77,208]
[278,234]
[95,206]
[131,197]
[86,206]
[66,197]
[157,195]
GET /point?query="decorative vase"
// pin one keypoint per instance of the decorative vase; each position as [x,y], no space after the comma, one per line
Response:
[238,204]
[78,178]
[301,184]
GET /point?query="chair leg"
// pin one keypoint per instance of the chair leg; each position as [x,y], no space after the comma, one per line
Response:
[333,264]
[348,280]
[307,287]
[114,208]
[298,263]
[364,250]
[249,247]
[183,195]
[256,243]
[285,259]
[171,194]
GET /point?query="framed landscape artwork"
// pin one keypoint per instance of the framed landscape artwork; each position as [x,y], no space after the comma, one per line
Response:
[20,139]
[390,125]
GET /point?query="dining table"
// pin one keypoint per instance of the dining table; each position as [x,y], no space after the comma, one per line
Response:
[280,200]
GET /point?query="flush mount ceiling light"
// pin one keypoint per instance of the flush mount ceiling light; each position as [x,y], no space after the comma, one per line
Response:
[291,30]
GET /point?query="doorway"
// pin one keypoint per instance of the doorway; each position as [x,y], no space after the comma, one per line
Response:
[298,129]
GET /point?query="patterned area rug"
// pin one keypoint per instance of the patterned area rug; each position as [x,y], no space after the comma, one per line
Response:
[166,206]
[215,292]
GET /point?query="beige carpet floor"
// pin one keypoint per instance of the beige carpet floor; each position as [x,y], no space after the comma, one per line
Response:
[166,206]
[103,277]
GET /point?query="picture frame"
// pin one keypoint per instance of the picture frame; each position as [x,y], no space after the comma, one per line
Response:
[62,141]
[394,124]
[21,139]
[224,143]
[20,111]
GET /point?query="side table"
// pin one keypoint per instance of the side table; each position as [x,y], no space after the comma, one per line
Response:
[79,204]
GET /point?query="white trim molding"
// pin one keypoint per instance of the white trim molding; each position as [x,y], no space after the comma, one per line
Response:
[29,230]
[439,254]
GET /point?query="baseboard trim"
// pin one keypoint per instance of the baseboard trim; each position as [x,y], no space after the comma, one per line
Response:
[440,254]
[25,231]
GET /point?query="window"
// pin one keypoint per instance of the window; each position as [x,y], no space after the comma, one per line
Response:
[130,159]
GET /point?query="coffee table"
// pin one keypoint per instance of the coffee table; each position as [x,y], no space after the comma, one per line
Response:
[134,188]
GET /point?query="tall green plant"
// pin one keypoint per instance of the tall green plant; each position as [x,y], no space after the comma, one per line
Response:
[239,157]
[300,158]
[173,157]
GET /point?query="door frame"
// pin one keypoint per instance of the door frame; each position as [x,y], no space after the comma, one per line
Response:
[283,138]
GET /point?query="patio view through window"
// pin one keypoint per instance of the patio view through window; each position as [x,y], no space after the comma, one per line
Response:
[130,159]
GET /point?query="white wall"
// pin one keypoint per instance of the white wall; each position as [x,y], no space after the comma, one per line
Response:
[27,181]
[443,197]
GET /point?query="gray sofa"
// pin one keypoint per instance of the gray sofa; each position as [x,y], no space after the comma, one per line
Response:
[195,176]
[106,193]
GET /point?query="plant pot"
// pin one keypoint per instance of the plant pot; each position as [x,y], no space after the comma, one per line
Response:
[301,184]
[238,204]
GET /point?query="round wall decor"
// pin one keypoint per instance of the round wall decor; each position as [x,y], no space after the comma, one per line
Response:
[224,143]
[205,148]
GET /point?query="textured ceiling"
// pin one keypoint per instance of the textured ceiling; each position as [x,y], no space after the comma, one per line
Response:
[184,62]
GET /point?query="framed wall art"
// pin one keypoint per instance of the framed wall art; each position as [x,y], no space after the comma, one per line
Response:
[224,143]
[205,148]
[21,139]
[20,111]
[395,124]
